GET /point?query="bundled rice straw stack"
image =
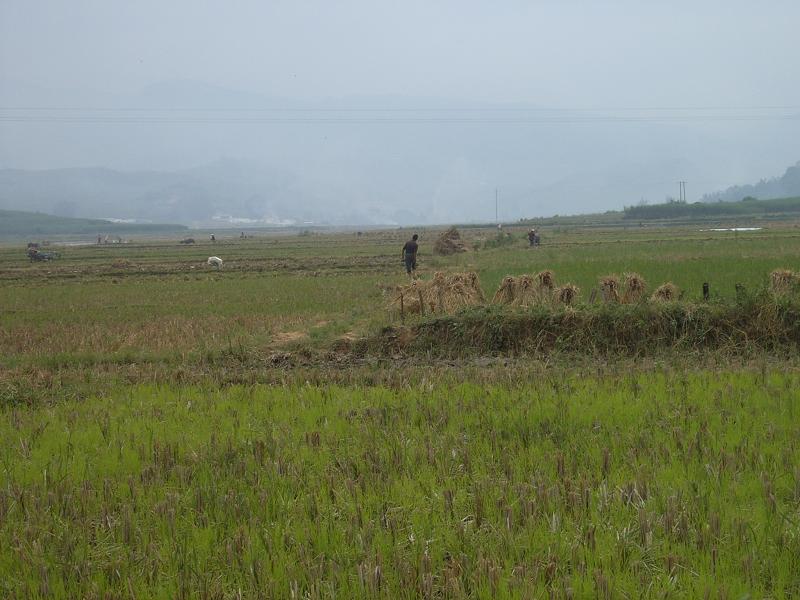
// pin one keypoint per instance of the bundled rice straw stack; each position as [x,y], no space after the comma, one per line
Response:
[449,242]
[667,292]
[445,293]
[527,290]
[566,294]
[783,280]
[545,286]
[635,288]
[526,294]
[545,280]
[470,283]
[609,288]
[507,292]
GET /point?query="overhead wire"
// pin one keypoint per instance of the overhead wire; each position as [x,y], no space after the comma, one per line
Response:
[374,115]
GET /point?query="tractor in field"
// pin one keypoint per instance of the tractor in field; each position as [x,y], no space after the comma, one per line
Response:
[36,255]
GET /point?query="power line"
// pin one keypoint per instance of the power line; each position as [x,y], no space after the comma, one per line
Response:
[403,109]
[59,119]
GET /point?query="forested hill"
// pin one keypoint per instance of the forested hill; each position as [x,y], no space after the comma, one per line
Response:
[746,207]
[785,186]
[13,222]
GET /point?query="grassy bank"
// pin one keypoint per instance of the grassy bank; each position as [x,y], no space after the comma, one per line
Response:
[757,323]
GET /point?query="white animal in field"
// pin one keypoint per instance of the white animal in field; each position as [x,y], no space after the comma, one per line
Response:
[214,261]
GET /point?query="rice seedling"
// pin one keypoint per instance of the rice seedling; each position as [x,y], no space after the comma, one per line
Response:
[600,485]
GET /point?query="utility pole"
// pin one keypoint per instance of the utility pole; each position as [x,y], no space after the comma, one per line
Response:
[682,191]
[496,204]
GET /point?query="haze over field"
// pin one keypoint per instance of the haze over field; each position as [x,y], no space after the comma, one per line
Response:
[371,112]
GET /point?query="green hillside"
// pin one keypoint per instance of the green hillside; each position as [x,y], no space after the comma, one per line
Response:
[13,222]
[746,207]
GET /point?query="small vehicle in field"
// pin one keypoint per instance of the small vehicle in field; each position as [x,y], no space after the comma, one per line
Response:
[36,255]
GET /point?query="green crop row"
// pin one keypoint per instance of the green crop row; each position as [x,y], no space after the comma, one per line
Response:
[610,486]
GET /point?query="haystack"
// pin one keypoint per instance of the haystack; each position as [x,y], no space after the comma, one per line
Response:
[609,288]
[470,283]
[526,290]
[667,292]
[635,288]
[449,242]
[566,294]
[507,292]
[445,293]
[783,280]
[545,280]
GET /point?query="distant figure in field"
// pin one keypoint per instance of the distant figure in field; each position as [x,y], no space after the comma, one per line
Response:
[213,239]
[532,237]
[409,255]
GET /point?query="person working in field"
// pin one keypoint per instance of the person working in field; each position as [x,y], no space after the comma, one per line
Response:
[409,255]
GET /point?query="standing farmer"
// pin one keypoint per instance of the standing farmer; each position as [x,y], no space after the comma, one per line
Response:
[409,255]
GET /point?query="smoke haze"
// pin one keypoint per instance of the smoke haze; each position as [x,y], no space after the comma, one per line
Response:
[377,112]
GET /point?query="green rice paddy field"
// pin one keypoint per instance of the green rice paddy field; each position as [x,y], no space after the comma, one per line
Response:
[171,431]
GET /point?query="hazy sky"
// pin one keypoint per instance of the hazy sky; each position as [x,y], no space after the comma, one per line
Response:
[560,52]
[707,91]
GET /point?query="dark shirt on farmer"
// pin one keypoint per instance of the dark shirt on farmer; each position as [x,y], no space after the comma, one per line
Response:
[410,249]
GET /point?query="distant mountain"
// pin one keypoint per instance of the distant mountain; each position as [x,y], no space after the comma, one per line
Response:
[778,187]
[22,223]
[383,159]
[226,191]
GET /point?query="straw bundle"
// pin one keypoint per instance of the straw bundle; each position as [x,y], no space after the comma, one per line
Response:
[545,280]
[665,293]
[609,288]
[507,292]
[635,288]
[525,293]
[449,242]
[526,290]
[445,293]
[471,284]
[567,293]
[783,280]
